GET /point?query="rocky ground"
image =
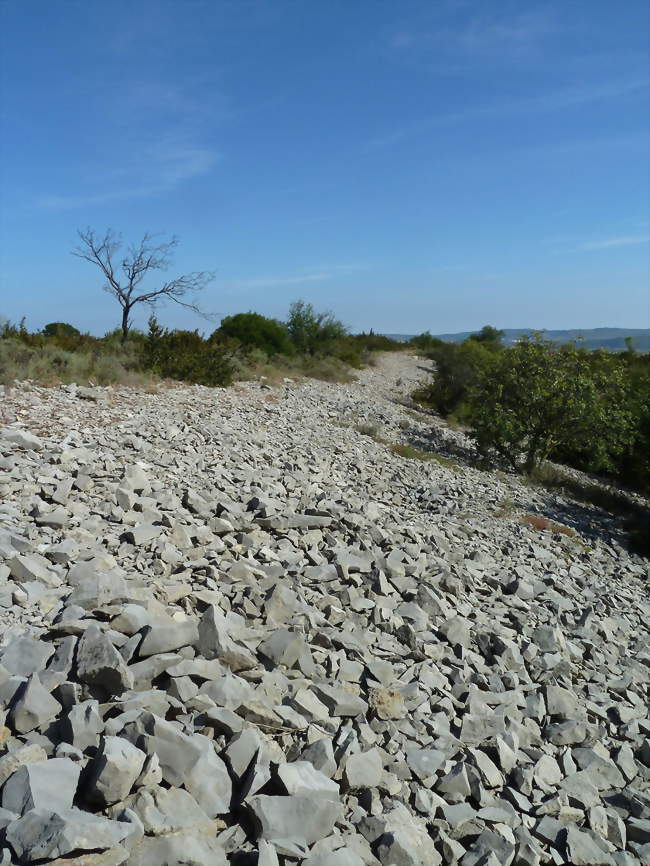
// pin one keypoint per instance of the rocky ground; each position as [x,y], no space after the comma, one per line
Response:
[237,630]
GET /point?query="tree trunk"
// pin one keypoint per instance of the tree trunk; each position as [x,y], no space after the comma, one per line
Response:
[125,323]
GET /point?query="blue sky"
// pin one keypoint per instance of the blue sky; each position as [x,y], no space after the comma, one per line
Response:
[409,165]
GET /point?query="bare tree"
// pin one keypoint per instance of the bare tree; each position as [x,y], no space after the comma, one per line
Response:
[123,277]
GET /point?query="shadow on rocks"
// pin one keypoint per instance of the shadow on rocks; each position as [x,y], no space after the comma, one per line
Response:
[627,528]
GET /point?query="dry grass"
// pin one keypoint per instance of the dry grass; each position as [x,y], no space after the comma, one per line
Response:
[411,453]
[505,507]
[455,423]
[416,414]
[50,366]
[543,524]
[371,430]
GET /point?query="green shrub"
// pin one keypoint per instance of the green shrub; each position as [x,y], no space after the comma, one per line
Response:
[318,341]
[372,342]
[458,366]
[10,331]
[115,338]
[489,336]
[529,402]
[313,332]
[425,342]
[254,331]
[347,350]
[537,401]
[630,464]
[187,357]
[325,368]
[58,334]
[60,329]
[411,453]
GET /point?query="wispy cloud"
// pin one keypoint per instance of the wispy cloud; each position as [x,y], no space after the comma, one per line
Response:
[260,282]
[311,275]
[624,241]
[514,35]
[500,36]
[155,138]
[557,100]
[156,170]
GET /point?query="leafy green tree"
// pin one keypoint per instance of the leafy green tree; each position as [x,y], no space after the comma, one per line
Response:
[425,342]
[254,331]
[489,336]
[310,331]
[630,348]
[536,399]
[60,329]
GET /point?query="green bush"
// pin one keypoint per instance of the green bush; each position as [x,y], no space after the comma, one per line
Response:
[60,329]
[458,366]
[634,464]
[425,342]
[10,331]
[313,332]
[115,337]
[489,336]
[254,331]
[630,464]
[307,333]
[536,399]
[372,342]
[187,357]
[347,350]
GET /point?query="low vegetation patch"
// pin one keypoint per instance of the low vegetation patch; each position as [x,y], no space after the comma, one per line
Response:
[371,430]
[411,453]
[543,524]
[49,363]
[505,507]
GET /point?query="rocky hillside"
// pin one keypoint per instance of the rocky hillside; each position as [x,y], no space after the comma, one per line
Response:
[237,630]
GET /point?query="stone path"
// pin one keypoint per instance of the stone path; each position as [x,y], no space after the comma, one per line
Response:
[235,629]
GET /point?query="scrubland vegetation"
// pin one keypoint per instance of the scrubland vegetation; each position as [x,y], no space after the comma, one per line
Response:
[246,345]
[538,401]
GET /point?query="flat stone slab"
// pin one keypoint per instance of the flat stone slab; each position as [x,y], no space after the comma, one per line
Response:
[300,817]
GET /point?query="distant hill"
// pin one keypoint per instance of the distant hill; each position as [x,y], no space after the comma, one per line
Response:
[593,338]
